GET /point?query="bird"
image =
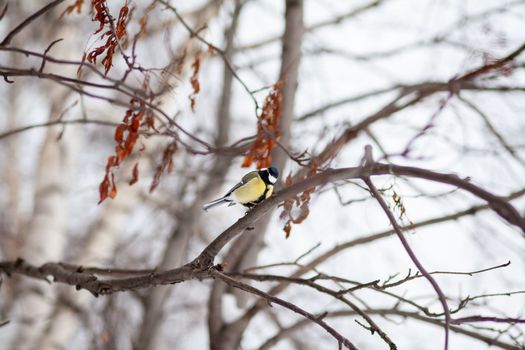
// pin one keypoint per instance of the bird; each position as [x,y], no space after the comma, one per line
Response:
[253,188]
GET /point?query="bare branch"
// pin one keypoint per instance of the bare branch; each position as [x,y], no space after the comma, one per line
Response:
[478,318]
[27,21]
[56,122]
[393,312]
[340,295]
[410,277]
[493,130]
[271,299]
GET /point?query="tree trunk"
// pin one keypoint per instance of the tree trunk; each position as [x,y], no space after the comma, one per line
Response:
[247,246]
[46,237]
[98,251]
[176,246]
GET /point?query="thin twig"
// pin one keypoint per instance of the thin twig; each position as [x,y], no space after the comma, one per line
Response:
[493,130]
[56,122]
[418,275]
[45,53]
[27,21]
[479,318]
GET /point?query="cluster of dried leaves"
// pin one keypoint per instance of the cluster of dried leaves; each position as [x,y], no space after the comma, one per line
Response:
[126,136]
[113,36]
[267,130]
[137,119]
[115,33]
[300,201]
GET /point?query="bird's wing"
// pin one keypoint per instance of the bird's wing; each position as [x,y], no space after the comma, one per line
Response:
[245,179]
[249,176]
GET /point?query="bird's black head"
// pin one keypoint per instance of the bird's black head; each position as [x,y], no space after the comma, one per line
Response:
[269,175]
[273,172]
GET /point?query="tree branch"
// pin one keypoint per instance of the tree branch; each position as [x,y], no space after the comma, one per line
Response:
[390,312]
[198,267]
[27,21]
[272,299]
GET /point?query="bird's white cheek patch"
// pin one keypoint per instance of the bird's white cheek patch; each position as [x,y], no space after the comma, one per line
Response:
[272,179]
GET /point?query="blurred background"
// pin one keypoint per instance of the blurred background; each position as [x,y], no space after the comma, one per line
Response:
[388,73]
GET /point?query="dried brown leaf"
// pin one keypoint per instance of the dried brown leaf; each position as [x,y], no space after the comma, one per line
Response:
[287,229]
[194,80]
[134,174]
[76,6]
[126,137]
[166,163]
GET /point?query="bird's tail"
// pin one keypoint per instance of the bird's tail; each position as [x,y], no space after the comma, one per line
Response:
[217,202]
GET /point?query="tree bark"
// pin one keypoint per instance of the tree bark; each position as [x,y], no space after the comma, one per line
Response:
[46,236]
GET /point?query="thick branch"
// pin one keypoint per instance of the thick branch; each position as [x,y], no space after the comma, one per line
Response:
[197,268]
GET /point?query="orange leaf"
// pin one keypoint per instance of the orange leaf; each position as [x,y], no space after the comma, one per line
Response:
[287,229]
[113,193]
[130,143]
[247,161]
[119,133]
[103,189]
[120,29]
[150,122]
[194,80]
[134,174]
[288,181]
[76,6]
[135,123]
[167,162]
[104,338]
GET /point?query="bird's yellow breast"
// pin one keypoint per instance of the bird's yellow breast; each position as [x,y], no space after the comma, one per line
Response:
[250,191]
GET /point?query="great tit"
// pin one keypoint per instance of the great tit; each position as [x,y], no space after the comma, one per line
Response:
[254,187]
